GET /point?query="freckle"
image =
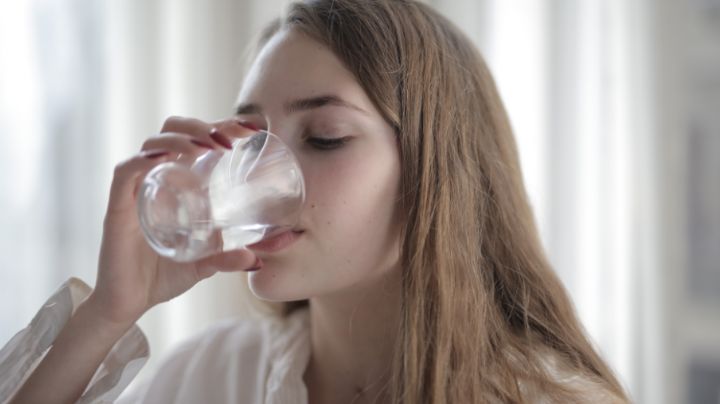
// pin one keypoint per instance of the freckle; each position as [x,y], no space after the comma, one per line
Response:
[312,206]
[328,222]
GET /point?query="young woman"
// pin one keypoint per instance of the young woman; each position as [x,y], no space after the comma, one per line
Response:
[415,274]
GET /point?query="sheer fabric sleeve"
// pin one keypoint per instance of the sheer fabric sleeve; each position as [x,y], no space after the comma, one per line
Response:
[21,355]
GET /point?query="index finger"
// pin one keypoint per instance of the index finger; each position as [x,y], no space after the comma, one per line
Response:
[235,127]
[190,126]
[230,261]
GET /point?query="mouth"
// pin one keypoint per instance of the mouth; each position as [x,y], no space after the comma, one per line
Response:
[277,242]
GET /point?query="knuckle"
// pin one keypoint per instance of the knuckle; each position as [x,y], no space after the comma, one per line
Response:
[147,144]
[171,123]
[119,168]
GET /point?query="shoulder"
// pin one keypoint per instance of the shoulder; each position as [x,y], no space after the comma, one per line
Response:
[233,355]
[567,382]
[543,375]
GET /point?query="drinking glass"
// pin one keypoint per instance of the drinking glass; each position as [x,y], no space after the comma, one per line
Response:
[223,200]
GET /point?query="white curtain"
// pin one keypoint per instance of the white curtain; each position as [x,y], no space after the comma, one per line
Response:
[83,82]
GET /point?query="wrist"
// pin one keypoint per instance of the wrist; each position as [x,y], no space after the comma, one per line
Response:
[90,312]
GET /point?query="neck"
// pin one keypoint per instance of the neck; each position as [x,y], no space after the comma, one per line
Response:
[352,337]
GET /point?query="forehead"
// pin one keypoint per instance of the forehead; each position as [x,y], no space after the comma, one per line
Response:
[293,64]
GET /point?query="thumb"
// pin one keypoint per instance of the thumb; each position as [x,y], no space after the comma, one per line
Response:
[230,261]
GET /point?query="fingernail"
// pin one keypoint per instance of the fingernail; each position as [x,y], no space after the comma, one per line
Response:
[154,155]
[201,144]
[248,125]
[221,139]
[257,265]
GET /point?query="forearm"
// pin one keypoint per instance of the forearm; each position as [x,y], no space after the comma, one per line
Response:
[79,349]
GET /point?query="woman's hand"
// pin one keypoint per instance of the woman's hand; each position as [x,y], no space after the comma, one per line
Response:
[132,277]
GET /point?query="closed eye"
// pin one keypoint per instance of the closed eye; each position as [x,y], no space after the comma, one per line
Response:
[324,143]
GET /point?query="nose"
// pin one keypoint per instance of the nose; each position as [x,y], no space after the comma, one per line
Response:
[282,130]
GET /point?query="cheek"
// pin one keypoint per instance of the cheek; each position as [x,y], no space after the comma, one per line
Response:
[352,233]
[351,203]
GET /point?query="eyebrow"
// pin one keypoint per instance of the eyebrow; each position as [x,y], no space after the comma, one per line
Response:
[302,105]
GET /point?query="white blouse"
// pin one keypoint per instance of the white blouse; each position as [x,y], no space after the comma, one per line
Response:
[234,361]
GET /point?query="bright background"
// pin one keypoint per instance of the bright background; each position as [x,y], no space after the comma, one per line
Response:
[615,105]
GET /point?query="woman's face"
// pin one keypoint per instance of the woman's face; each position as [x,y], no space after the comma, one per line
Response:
[301,91]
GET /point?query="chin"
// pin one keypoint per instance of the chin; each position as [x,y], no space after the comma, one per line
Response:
[273,285]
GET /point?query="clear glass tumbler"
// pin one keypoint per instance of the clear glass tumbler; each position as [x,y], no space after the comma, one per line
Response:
[223,200]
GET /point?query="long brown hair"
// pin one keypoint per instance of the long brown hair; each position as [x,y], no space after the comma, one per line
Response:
[484,317]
